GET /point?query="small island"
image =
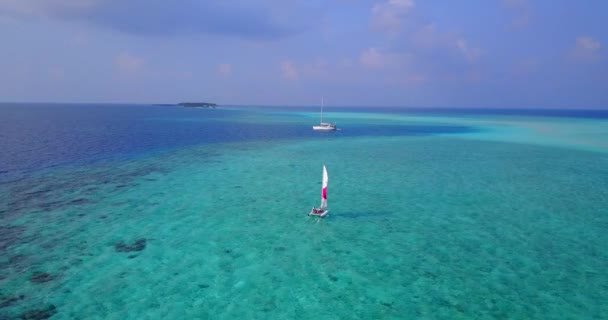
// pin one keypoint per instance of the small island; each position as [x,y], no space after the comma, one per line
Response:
[197,104]
[206,105]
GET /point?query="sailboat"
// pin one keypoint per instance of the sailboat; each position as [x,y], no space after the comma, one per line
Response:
[324,126]
[322,210]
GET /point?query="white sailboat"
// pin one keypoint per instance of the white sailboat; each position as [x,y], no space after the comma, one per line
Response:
[322,210]
[324,126]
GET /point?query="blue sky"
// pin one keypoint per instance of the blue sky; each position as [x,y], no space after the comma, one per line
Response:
[475,53]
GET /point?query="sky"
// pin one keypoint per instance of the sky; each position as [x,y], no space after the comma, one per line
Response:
[413,53]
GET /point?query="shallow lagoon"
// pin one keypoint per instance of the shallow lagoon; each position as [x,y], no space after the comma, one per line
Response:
[432,216]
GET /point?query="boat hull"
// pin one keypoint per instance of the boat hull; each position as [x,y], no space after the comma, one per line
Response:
[323,128]
[317,213]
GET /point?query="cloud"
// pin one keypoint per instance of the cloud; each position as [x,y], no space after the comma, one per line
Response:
[471,54]
[587,43]
[371,58]
[388,16]
[417,35]
[289,71]
[390,68]
[224,69]
[373,66]
[256,19]
[416,50]
[126,62]
[305,69]
[427,40]
[586,49]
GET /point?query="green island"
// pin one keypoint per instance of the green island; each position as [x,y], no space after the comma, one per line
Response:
[189,104]
[197,104]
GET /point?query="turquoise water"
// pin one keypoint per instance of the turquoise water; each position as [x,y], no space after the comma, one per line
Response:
[504,220]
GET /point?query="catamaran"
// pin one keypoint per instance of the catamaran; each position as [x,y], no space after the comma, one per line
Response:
[322,210]
[324,126]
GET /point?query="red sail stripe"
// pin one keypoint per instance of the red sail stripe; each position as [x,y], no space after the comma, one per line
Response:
[324,193]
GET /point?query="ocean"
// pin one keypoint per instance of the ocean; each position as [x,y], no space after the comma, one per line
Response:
[163,212]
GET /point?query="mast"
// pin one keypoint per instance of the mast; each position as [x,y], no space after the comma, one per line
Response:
[321,109]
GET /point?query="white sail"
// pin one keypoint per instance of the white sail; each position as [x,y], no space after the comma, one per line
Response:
[324,189]
[322,210]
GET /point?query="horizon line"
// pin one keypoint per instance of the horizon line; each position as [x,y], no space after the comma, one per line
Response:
[312,106]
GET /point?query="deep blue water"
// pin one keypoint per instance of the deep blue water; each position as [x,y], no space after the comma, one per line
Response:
[39,136]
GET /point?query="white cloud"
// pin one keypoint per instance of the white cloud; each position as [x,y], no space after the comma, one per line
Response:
[417,47]
[387,17]
[586,49]
[469,53]
[289,70]
[587,43]
[296,70]
[420,36]
[428,37]
[128,62]
[224,69]
[371,58]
